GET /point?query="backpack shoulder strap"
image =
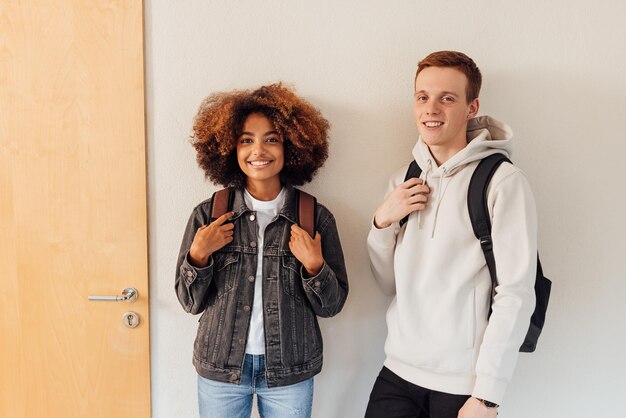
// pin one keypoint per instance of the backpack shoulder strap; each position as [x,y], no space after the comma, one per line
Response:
[414,170]
[221,202]
[306,208]
[479,210]
[479,214]
[477,194]
[306,212]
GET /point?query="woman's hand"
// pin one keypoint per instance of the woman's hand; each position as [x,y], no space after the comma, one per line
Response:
[210,238]
[307,250]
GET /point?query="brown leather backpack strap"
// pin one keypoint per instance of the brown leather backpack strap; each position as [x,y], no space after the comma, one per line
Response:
[220,203]
[306,212]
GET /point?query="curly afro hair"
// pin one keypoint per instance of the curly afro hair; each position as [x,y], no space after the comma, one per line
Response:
[219,122]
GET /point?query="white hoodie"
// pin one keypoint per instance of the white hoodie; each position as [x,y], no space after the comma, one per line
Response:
[438,334]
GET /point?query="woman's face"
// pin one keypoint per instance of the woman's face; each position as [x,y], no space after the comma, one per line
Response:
[260,151]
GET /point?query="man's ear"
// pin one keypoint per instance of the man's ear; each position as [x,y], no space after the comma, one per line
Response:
[473,107]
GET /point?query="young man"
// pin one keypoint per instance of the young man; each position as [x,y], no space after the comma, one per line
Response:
[445,356]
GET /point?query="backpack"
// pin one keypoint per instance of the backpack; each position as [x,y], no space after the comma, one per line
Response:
[305,210]
[481,224]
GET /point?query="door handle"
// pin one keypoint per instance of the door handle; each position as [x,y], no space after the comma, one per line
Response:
[128,295]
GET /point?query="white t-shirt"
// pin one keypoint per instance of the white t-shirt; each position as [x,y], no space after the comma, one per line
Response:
[263,213]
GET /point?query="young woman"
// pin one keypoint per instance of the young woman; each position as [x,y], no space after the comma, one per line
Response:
[259,280]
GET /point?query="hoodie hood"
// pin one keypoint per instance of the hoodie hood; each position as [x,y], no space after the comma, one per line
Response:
[485,136]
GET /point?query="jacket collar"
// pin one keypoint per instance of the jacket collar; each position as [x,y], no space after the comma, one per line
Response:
[288,210]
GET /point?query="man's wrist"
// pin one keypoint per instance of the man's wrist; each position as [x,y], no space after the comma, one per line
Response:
[380,225]
[487,403]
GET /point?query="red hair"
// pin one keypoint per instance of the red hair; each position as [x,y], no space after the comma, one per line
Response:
[459,61]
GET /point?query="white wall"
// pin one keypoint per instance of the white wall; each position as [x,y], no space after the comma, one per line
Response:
[555,71]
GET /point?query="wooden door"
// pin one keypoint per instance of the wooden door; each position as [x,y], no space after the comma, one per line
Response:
[72,209]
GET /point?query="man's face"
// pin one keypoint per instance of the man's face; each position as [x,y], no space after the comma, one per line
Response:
[440,107]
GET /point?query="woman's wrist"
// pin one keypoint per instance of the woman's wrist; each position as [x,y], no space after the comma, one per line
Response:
[315,268]
[198,261]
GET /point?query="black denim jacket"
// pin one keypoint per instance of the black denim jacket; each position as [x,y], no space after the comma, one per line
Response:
[224,292]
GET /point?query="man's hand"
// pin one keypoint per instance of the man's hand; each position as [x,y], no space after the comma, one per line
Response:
[474,408]
[210,238]
[404,199]
[307,249]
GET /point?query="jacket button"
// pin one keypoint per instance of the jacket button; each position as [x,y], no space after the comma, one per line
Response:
[252,217]
[233,377]
[253,244]
[317,283]
[189,273]
[250,279]
[242,341]
[246,308]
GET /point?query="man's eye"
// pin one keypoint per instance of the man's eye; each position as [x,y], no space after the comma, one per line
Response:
[421,98]
[447,99]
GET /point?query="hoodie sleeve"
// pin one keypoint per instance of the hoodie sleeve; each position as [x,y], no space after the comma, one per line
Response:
[514,234]
[381,245]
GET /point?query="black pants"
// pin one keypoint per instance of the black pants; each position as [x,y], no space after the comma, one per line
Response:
[394,397]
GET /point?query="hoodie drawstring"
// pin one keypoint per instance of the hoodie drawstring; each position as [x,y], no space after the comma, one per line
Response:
[425,178]
[439,196]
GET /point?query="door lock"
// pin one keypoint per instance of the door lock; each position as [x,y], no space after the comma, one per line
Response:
[130,319]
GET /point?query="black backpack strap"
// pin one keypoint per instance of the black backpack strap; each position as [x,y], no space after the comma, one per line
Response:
[479,210]
[221,202]
[306,212]
[543,286]
[414,170]
[479,215]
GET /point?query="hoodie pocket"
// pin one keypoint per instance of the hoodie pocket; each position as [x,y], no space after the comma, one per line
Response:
[471,319]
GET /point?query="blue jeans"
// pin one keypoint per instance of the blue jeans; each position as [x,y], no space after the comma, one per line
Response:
[227,400]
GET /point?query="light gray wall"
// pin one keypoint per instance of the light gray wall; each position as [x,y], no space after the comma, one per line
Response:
[555,71]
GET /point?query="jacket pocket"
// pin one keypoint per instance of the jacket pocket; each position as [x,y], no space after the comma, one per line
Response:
[202,336]
[312,336]
[225,272]
[290,277]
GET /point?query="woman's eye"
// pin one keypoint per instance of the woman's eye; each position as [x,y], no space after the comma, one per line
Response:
[273,139]
[245,141]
